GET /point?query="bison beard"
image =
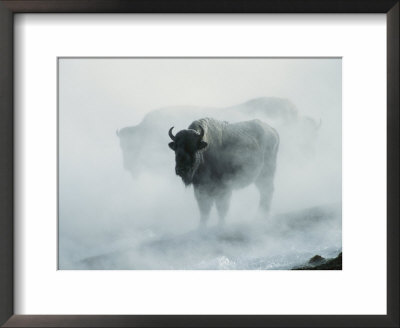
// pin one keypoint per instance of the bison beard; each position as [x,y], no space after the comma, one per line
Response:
[218,157]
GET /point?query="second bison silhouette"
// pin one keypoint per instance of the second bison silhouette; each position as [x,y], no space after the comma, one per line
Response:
[217,157]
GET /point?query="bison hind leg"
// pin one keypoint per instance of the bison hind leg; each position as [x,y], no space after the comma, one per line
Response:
[265,181]
[222,202]
[266,189]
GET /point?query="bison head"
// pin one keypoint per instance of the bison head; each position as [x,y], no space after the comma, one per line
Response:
[130,143]
[187,145]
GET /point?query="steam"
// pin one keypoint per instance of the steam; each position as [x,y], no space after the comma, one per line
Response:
[145,218]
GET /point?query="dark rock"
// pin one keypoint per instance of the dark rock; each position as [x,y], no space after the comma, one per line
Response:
[325,264]
[317,259]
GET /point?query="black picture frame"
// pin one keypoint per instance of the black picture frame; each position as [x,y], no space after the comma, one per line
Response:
[10,7]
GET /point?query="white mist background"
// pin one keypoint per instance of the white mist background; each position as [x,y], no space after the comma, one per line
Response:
[103,209]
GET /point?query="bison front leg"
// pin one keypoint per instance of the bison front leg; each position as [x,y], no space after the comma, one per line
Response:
[205,202]
[222,202]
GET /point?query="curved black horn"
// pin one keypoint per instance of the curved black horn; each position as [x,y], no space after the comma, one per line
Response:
[170,134]
[201,132]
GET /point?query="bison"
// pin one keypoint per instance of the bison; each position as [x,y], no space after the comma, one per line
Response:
[143,147]
[217,157]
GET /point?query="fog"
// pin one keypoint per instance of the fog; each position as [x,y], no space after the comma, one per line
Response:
[142,216]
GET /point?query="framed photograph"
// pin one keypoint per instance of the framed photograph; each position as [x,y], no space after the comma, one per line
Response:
[165,166]
[188,160]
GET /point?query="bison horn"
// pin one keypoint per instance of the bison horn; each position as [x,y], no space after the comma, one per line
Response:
[201,132]
[170,134]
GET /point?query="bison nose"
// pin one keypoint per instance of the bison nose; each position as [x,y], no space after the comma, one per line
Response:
[178,170]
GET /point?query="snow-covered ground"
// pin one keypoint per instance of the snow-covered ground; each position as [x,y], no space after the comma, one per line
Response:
[278,243]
